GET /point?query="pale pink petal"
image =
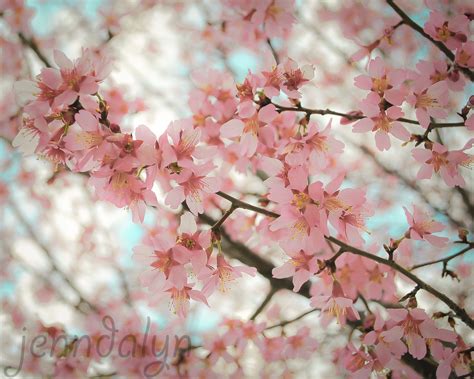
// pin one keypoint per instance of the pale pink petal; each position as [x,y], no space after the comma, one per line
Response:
[232,128]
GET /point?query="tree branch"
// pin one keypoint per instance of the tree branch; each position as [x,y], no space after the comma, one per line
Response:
[460,312]
[441,46]
[31,43]
[264,303]
[323,112]
[54,266]
[444,260]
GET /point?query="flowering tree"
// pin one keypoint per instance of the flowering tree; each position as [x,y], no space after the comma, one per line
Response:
[316,206]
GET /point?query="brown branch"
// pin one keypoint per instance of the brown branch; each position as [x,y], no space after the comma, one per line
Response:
[264,303]
[323,112]
[274,52]
[31,43]
[410,184]
[242,204]
[286,322]
[460,312]
[48,254]
[444,260]
[441,46]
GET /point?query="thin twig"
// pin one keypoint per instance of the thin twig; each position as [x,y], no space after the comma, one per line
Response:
[43,247]
[460,312]
[441,46]
[444,260]
[274,52]
[286,322]
[31,43]
[348,116]
[264,303]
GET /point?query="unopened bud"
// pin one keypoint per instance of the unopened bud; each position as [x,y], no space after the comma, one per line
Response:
[412,303]
[462,233]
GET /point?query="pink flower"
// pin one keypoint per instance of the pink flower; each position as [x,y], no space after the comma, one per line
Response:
[336,305]
[315,146]
[295,78]
[382,81]
[423,226]
[446,163]
[418,329]
[299,215]
[249,128]
[452,32]
[193,183]
[388,343]
[465,55]
[430,102]
[222,275]
[431,72]
[180,297]
[345,209]
[276,16]
[301,345]
[183,147]
[381,121]
[217,349]
[301,266]
[451,359]
[87,137]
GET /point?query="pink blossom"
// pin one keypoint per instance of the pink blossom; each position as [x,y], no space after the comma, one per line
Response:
[295,78]
[430,102]
[222,275]
[418,329]
[452,32]
[382,81]
[387,343]
[276,15]
[446,163]
[336,305]
[381,121]
[422,226]
[465,55]
[193,183]
[249,128]
[301,266]
[300,345]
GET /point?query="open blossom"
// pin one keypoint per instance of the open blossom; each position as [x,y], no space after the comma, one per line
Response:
[295,77]
[382,81]
[184,144]
[217,347]
[315,147]
[299,214]
[193,184]
[422,226]
[179,297]
[345,209]
[465,55]
[276,16]
[452,32]
[388,343]
[430,102]
[382,122]
[437,159]
[222,275]
[301,266]
[431,72]
[336,305]
[301,344]
[418,330]
[457,359]
[249,128]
